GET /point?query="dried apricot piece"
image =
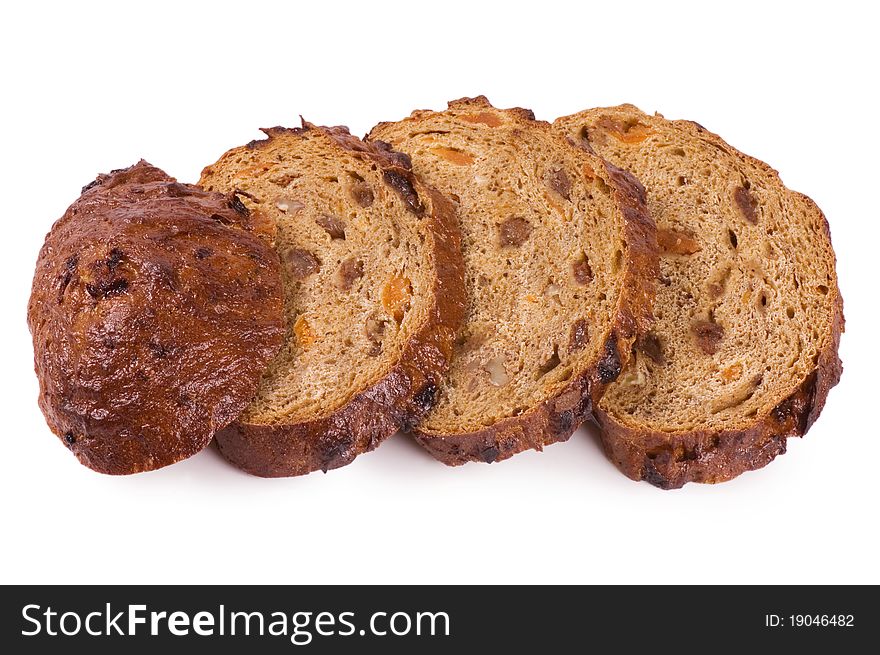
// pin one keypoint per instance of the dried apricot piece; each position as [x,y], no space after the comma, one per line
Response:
[453,155]
[731,373]
[305,334]
[396,296]
[484,117]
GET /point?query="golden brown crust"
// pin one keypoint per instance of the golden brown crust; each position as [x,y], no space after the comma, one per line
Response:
[152,319]
[671,459]
[555,419]
[404,393]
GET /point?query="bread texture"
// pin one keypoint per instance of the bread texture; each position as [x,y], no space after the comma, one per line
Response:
[155,309]
[560,257]
[748,312]
[374,295]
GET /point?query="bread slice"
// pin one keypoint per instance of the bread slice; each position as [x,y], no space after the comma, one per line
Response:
[560,258]
[374,295]
[749,316]
[155,309]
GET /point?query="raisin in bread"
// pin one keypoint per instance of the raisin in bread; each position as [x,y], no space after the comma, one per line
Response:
[155,309]
[748,313]
[374,295]
[560,259]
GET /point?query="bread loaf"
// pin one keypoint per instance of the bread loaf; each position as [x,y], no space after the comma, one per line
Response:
[373,296]
[560,258]
[748,313]
[155,309]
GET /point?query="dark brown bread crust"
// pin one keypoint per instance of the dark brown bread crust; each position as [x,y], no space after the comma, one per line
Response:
[152,319]
[671,460]
[552,421]
[405,392]
[556,419]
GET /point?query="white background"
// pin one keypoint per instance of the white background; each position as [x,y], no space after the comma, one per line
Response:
[88,88]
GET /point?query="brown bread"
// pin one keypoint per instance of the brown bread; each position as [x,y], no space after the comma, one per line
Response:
[155,309]
[749,315]
[373,297]
[561,259]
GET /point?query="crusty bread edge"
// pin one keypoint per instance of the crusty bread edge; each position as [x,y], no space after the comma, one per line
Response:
[670,460]
[403,394]
[556,418]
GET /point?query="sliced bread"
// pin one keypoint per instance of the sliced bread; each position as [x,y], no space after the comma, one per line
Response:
[156,307]
[374,294]
[560,259]
[748,312]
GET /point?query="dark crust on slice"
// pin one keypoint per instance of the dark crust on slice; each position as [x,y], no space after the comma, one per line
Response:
[403,394]
[555,419]
[155,310]
[671,460]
